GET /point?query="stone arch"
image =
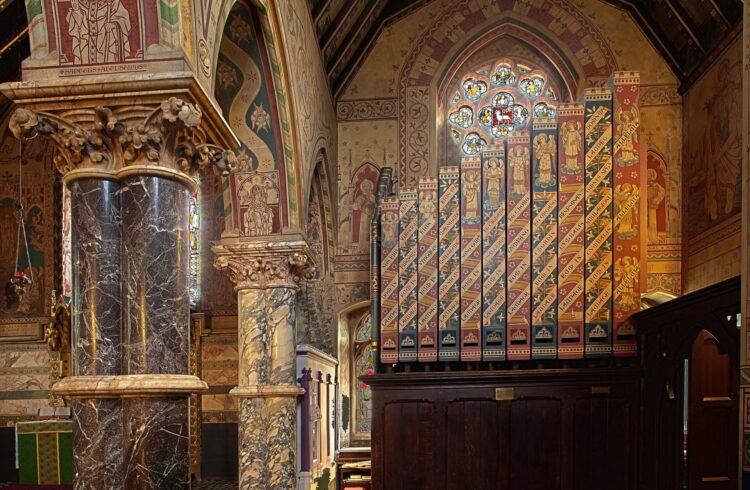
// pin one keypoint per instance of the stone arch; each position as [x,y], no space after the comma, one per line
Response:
[267,35]
[567,38]
[316,299]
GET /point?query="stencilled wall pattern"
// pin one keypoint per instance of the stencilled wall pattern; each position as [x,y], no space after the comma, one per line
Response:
[661,117]
[315,118]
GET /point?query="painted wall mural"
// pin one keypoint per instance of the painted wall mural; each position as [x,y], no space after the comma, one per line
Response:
[712,172]
[244,90]
[105,37]
[713,143]
[413,55]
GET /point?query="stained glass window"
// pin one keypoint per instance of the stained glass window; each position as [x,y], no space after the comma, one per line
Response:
[474,89]
[463,117]
[496,100]
[473,144]
[195,251]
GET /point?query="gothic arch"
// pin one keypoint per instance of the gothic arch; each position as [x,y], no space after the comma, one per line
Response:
[289,178]
[567,39]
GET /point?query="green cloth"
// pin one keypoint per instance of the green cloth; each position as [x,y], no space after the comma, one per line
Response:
[45,452]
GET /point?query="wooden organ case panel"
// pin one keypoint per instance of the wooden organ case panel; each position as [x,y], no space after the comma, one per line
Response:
[522,430]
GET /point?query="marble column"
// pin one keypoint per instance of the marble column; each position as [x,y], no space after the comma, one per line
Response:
[96,328]
[129,172]
[266,277]
[156,316]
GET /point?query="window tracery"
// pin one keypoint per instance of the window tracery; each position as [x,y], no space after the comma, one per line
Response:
[496,100]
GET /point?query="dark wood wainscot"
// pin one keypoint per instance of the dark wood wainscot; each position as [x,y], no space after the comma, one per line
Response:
[522,429]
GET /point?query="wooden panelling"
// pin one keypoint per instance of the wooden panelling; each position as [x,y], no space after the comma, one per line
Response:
[526,429]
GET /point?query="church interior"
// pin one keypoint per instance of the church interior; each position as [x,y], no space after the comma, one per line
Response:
[374,244]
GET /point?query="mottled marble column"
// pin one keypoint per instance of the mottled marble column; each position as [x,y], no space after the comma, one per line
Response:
[156,315]
[96,328]
[268,420]
[266,275]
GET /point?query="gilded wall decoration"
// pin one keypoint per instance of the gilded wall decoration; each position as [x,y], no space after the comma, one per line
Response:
[713,147]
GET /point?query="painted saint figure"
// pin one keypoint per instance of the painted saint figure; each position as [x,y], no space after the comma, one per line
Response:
[544,150]
[364,202]
[572,141]
[717,161]
[518,162]
[258,219]
[494,174]
[656,194]
[99,31]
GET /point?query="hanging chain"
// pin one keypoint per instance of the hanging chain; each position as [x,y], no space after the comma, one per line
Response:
[21,220]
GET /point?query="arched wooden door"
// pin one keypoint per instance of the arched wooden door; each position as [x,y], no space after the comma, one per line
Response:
[712,416]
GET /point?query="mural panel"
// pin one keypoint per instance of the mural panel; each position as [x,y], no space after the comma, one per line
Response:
[714,144]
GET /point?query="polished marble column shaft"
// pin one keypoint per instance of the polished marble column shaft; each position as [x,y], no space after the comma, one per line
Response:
[267,387]
[96,328]
[156,275]
[156,315]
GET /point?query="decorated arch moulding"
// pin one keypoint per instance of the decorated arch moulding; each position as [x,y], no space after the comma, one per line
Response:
[566,38]
[213,25]
[329,214]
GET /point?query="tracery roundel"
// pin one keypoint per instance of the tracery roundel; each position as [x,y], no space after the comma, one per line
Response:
[493,102]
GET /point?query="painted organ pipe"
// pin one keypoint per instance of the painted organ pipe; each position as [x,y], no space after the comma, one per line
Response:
[531,249]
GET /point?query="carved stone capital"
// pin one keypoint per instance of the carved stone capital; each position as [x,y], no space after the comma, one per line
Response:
[263,264]
[169,140]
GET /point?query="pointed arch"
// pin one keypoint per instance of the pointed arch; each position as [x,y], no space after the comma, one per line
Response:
[283,147]
[568,40]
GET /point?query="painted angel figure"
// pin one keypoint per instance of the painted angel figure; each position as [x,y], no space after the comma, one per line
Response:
[572,141]
[99,31]
[390,229]
[471,185]
[627,136]
[628,213]
[626,274]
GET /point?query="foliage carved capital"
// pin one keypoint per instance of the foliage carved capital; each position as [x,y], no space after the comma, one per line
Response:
[169,137]
[264,265]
